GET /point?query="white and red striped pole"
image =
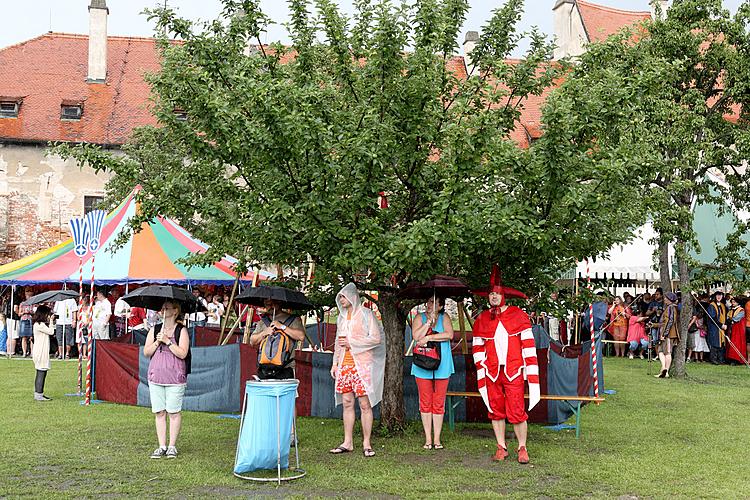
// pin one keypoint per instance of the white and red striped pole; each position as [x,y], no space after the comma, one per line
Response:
[95,221]
[79,327]
[79,228]
[87,399]
[594,363]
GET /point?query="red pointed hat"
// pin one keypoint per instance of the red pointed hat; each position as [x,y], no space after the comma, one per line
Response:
[496,285]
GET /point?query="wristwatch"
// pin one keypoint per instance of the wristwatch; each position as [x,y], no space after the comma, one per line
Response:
[283,328]
[170,343]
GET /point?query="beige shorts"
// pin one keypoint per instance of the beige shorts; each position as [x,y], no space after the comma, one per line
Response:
[665,346]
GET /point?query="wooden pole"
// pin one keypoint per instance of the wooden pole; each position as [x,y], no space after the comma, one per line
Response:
[251,312]
[462,326]
[229,308]
[465,349]
[574,337]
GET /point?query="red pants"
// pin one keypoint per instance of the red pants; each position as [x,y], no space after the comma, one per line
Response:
[506,398]
[432,395]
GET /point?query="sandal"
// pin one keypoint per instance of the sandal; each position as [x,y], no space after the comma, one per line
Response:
[339,450]
[427,447]
[368,452]
[437,446]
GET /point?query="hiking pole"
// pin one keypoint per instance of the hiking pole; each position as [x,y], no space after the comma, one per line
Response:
[726,338]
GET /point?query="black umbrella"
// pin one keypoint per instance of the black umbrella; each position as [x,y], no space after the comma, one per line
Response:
[50,296]
[437,286]
[153,297]
[289,299]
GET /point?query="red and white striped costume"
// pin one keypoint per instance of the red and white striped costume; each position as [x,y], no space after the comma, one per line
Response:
[503,350]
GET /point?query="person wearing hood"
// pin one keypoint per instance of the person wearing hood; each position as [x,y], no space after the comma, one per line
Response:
[505,354]
[358,366]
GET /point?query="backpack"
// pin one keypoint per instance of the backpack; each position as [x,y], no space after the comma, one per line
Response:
[177,332]
[277,349]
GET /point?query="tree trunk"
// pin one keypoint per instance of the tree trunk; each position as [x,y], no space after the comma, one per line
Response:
[686,310]
[392,413]
[665,273]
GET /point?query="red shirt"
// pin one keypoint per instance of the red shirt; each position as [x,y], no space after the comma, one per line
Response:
[137,316]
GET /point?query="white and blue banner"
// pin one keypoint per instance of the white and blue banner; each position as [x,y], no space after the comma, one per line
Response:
[95,221]
[79,227]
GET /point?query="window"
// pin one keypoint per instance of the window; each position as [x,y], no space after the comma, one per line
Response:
[180,114]
[9,109]
[91,203]
[71,111]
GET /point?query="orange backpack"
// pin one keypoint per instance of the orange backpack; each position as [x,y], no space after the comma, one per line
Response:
[277,349]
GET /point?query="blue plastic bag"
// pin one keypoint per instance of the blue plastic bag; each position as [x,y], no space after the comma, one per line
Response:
[267,425]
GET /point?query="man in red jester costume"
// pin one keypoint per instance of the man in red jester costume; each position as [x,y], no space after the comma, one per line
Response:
[505,355]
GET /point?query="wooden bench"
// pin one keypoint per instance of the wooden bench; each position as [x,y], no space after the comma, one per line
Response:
[453,399]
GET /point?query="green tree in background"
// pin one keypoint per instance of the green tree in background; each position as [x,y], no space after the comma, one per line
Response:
[286,150]
[672,95]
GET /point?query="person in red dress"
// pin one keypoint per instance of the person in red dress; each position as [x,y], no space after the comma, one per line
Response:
[737,350]
[504,355]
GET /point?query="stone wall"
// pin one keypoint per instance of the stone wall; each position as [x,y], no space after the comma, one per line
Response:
[39,193]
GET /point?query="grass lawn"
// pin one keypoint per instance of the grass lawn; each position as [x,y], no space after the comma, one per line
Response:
[654,438]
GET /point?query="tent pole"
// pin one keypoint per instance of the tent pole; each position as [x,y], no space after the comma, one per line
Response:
[11,321]
[229,308]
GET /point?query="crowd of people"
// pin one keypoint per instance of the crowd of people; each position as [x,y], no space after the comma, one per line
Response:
[647,326]
[503,349]
[110,317]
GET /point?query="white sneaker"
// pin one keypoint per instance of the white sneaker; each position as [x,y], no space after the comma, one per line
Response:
[630,355]
[171,452]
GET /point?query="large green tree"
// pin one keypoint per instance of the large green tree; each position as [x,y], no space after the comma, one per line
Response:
[285,151]
[674,94]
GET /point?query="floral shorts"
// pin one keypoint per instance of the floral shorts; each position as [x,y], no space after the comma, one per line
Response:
[350,381]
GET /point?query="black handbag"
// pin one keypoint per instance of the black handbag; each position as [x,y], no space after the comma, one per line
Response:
[427,356]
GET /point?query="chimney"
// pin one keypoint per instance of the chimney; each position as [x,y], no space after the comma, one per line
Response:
[98,13]
[663,5]
[472,37]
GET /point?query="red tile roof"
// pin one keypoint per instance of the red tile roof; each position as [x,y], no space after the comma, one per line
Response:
[51,69]
[601,21]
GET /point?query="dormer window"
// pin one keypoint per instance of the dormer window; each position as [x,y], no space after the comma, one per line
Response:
[71,110]
[9,107]
[180,114]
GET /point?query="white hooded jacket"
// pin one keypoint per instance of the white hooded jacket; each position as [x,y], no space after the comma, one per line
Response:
[367,341]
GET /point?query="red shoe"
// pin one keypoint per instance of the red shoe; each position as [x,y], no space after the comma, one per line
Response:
[500,454]
[523,455]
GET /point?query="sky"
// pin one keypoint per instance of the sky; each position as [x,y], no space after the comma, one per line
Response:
[23,22]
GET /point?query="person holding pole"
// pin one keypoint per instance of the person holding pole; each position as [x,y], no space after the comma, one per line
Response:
[358,366]
[669,333]
[717,327]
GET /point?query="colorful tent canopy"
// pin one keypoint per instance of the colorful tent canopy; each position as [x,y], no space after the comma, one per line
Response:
[148,257]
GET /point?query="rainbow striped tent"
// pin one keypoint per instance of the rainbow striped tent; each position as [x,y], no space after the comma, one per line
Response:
[148,257]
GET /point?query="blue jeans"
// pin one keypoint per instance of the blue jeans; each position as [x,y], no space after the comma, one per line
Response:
[634,345]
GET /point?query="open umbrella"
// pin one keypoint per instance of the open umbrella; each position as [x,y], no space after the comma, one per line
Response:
[437,286]
[289,299]
[50,296]
[153,297]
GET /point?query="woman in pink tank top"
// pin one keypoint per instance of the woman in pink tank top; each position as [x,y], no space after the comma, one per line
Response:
[167,375]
